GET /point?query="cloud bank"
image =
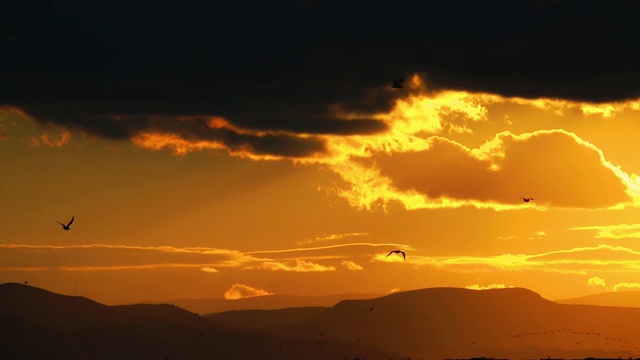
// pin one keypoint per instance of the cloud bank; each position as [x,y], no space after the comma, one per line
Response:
[158,84]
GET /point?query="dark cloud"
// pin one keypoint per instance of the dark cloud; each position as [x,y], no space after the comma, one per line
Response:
[281,65]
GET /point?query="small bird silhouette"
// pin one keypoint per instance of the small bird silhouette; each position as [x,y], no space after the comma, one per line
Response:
[26,282]
[67,226]
[527,199]
[404,256]
[397,83]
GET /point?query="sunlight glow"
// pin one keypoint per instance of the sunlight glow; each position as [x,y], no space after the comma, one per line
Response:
[420,119]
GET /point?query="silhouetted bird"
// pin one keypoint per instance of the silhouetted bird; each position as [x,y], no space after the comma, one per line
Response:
[527,199]
[67,227]
[397,83]
[404,256]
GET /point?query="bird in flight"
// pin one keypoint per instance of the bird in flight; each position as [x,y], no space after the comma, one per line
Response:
[527,199]
[404,256]
[397,83]
[67,226]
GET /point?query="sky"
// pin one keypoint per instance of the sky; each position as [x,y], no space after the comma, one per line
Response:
[228,150]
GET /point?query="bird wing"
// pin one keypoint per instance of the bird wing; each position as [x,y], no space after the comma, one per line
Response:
[60,223]
[389,253]
[404,256]
[71,222]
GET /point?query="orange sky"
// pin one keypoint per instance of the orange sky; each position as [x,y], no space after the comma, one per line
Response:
[163,217]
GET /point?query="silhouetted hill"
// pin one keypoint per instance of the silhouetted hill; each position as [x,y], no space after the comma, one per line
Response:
[253,319]
[432,323]
[268,302]
[38,324]
[459,323]
[617,298]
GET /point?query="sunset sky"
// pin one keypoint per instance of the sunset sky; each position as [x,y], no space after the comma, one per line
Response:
[212,150]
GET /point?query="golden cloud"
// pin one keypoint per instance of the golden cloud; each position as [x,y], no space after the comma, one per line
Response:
[418,164]
[610,109]
[334,247]
[618,231]
[351,265]
[556,167]
[597,282]
[197,133]
[580,260]
[179,145]
[104,257]
[621,286]
[330,237]
[51,140]
[626,286]
[241,291]
[419,159]
[487,287]
[537,235]
[131,267]
[298,266]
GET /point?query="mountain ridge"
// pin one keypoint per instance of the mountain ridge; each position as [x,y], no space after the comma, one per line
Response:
[38,324]
[431,323]
[439,323]
[265,302]
[629,298]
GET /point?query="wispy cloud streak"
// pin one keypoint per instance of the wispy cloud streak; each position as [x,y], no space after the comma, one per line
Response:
[330,237]
[579,260]
[617,231]
[337,246]
[297,266]
[106,257]
[351,265]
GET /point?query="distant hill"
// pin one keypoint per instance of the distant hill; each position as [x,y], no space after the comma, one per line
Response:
[617,298]
[268,302]
[435,323]
[443,323]
[38,324]
[256,319]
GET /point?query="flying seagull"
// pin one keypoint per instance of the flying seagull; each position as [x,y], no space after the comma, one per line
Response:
[404,256]
[527,199]
[67,227]
[397,83]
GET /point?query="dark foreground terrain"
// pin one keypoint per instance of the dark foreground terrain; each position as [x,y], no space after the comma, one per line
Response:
[37,324]
[437,323]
